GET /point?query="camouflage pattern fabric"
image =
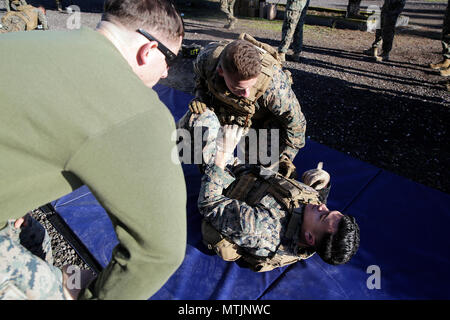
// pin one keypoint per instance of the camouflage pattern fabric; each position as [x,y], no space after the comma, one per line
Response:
[446,33]
[278,103]
[14,4]
[12,23]
[259,229]
[384,37]
[24,275]
[27,18]
[202,127]
[256,229]
[227,7]
[58,5]
[292,30]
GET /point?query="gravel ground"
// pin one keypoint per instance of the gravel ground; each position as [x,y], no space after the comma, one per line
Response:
[394,115]
[62,252]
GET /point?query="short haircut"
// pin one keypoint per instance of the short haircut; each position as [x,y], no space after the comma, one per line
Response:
[241,58]
[158,16]
[340,247]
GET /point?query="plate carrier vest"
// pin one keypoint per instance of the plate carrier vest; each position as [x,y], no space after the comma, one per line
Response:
[251,188]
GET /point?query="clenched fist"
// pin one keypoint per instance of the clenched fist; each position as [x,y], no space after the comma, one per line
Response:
[316,178]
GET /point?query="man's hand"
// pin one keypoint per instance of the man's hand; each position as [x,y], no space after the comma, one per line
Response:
[197,106]
[316,178]
[227,139]
[287,168]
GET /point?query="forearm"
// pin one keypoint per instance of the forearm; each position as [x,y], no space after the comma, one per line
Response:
[221,159]
[281,101]
[294,135]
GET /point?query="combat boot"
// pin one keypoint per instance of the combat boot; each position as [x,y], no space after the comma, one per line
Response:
[296,57]
[59,6]
[373,52]
[444,64]
[445,72]
[231,23]
[383,57]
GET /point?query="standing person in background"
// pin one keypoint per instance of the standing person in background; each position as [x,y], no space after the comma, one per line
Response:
[292,30]
[384,37]
[444,65]
[106,128]
[227,7]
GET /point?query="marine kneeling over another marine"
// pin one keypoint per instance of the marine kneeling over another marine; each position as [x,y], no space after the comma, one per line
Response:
[257,213]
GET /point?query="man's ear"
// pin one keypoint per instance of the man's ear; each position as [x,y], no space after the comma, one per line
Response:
[310,238]
[220,70]
[144,52]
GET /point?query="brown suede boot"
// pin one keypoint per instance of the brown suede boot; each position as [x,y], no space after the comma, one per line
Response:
[444,64]
[372,52]
[297,57]
[445,72]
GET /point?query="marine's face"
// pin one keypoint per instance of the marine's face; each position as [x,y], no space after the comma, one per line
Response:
[319,220]
[240,88]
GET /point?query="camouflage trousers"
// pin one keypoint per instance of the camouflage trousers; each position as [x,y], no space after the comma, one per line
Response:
[292,30]
[446,33]
[26,270]
[197,134]
[13,4]
[384,37]
[227,7]
[11,22]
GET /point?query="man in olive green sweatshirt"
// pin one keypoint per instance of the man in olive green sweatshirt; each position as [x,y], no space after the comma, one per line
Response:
[96,122]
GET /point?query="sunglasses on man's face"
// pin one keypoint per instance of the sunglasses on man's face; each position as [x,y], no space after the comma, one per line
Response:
[170,56]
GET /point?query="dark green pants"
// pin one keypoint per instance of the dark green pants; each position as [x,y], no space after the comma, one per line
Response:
[384,37]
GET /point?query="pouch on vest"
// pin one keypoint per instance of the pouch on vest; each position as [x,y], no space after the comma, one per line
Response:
[268,264]
[214,240]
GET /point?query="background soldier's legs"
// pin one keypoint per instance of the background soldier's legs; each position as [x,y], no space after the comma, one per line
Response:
[288,29]
[298,36]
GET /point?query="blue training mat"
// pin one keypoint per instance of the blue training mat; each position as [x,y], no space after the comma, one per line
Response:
[404,251]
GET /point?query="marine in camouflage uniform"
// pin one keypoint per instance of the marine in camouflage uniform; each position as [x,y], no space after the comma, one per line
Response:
[384,37]
[14,4]
[26,18]
[444,65]
[260,229]
[59,5]
[292,30]
[227,7]
[446,33]
[26,270]
[243,218]
[276,108]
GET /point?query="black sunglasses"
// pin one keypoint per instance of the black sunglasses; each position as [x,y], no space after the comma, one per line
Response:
[170,56]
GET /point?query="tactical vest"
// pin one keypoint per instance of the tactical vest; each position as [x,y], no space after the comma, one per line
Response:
[25,13]
[251,188]
[239,110]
